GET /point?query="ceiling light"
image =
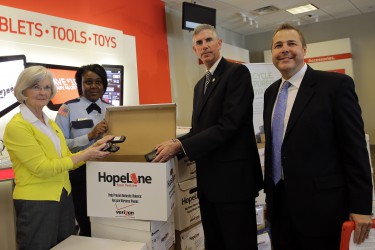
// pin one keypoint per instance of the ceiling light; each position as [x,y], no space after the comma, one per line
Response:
[243,17]
[302,9]
[250,21]
[256,25]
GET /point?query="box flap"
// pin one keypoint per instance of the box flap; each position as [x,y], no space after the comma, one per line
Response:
[123,158]
[144,126]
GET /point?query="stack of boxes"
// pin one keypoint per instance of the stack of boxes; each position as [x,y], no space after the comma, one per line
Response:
[372,175]
[264,242]
[128,198]
[189,231]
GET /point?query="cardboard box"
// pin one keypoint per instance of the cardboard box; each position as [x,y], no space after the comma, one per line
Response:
[261,198]
[124,185]
[185,169]
[187,211]
[158,235]
[261,157]
[264,241]
[89,243]
[144,126]
[192,238]
[180,131]
[131,190]
[260,217]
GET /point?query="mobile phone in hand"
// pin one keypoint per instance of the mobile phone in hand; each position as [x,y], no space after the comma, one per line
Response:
[150,156]
[110,147]
[118,139]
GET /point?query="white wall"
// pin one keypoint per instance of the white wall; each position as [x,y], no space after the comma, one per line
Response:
[184,68]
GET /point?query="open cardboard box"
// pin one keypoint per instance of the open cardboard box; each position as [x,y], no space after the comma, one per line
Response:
[144,126]
[124,185]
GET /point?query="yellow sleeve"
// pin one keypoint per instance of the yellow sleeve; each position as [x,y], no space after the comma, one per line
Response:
[30,148]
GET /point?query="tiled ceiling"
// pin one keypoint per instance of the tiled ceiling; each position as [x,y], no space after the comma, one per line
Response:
[229,13]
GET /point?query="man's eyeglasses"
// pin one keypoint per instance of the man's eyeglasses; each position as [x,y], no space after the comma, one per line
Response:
[92,81]
[37,88]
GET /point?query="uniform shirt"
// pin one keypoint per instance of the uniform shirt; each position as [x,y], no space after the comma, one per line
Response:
[76,123]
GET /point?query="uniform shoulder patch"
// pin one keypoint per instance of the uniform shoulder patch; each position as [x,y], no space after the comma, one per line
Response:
[63,110]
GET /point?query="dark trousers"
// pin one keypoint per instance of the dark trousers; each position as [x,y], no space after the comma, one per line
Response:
[43,224]
[79,192]
[284,234]
[229,225]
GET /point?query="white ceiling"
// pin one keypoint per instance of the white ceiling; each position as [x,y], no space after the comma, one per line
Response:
[228,12]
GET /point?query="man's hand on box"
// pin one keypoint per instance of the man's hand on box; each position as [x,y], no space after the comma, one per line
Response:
[167,150]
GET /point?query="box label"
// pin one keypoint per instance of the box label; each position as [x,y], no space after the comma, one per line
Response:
[130,190]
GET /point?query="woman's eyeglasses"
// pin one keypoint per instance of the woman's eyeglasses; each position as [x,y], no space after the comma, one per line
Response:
[37,88]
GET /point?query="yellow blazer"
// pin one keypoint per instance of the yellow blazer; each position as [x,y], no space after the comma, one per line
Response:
[40,173]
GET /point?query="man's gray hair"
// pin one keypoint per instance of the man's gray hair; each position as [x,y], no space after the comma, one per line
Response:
[202,27]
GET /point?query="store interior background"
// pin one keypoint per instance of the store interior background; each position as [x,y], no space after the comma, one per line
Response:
[167,67]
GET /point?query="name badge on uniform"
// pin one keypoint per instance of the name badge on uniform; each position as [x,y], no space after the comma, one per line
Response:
[83,123]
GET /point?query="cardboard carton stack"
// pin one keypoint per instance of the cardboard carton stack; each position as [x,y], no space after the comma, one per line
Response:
[129,198]
[260,201]
[187,217]
[372,174]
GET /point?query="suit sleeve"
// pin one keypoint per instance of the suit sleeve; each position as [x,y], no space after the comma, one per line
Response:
[350,133]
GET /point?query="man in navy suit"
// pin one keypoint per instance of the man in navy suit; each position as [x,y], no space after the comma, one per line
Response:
[222,143]
[325,169]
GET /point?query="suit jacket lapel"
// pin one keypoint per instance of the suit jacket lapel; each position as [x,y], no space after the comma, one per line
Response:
[268,107]
[211,86]
[304,95]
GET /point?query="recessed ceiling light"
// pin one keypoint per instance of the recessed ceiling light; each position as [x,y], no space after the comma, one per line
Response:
[302,9]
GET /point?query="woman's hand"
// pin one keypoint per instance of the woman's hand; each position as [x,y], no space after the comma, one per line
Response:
[93,152]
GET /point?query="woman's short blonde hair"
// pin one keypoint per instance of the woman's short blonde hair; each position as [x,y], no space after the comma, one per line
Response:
[30,77]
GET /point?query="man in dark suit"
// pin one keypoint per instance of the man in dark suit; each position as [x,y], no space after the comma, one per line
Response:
[325,171]
[222,143]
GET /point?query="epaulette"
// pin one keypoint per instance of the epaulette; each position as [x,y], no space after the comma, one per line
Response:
[73,101]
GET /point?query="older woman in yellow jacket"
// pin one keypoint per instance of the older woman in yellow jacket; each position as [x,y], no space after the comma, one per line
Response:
[41,161]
